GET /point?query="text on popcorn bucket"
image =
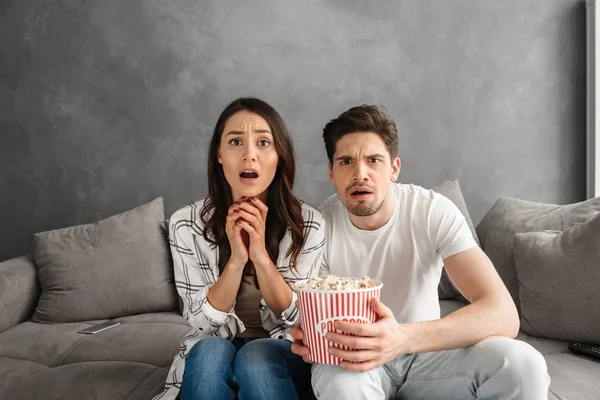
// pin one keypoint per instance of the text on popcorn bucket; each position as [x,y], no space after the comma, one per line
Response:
[326,325]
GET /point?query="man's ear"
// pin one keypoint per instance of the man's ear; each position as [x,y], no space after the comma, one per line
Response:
[396,165]
[330,174]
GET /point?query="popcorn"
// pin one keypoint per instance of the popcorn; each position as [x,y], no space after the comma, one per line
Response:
[332,282]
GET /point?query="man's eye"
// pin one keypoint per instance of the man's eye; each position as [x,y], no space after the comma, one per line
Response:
[375,160]
[235,142]
[345,162]
[264,143]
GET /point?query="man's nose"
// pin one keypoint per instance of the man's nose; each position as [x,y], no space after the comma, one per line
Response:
[360,172]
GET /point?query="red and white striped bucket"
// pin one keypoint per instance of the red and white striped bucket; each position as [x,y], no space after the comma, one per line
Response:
[319,309]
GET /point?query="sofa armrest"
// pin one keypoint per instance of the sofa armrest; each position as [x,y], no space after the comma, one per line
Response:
[19,291]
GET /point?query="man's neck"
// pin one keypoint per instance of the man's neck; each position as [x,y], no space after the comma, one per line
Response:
[381,217]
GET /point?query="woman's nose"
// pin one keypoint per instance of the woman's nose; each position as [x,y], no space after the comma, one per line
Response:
[249,154]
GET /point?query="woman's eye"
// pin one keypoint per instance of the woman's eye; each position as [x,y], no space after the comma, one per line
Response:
[235,142]
[264,143]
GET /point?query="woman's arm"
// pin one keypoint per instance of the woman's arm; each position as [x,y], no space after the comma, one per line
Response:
[223,293]
[194,275]
[275,289]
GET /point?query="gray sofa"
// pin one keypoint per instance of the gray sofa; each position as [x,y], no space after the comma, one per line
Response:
[52,361]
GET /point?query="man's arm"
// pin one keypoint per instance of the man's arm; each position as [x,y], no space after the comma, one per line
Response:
[492,312]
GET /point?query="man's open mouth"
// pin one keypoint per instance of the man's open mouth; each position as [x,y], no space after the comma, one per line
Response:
[360,191]
[249,174]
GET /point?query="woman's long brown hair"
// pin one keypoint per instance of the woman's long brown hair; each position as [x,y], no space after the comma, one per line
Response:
[285,210]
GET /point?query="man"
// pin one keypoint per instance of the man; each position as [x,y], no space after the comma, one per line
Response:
[403,235]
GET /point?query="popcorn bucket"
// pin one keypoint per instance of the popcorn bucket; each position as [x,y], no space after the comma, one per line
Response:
[319,309]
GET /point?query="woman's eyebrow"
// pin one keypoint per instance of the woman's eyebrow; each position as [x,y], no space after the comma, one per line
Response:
[256,131]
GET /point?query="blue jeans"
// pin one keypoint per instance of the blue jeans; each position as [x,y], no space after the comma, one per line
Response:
[216,368]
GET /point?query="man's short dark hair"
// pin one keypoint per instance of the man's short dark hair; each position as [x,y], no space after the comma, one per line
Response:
[363,118]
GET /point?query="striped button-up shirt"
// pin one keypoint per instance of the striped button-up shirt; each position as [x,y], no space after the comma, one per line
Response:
[196,270]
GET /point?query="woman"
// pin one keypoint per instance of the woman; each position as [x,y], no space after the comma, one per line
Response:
[235,254]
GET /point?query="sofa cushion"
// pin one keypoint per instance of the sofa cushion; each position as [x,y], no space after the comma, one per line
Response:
[558,275]
[93,380]
[546,347]
[20,342]
[13,371]
[573,377]
[19,291]
[129,361]
[451,189]
[508,217]
[115,267]
[134,341]
[144,338]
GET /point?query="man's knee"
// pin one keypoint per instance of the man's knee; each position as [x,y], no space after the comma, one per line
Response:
[514,362]
[333,382]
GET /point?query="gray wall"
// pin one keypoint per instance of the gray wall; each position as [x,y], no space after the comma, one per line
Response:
[108,104]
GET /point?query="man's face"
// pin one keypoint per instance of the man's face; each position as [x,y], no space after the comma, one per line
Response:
[362,172]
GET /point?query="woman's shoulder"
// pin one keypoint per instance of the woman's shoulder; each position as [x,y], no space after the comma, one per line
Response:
[188,216]
[311,215]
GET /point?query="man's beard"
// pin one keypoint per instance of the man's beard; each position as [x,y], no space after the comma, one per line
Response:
[364,210]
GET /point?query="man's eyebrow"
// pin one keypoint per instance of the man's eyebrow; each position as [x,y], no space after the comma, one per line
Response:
[343,158]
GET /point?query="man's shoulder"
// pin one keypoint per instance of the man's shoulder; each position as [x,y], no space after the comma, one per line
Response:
[329,206]
[415,192]
[420,196]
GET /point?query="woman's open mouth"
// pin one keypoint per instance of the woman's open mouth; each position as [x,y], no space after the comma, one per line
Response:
[248,176]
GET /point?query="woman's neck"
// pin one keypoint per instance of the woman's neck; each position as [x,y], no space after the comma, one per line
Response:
[262,197]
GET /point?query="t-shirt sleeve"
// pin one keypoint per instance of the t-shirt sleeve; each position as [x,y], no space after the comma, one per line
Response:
[325,210]
[448,228]
[324,267]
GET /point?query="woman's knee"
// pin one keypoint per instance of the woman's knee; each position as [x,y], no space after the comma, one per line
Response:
[260,357]
[211,351]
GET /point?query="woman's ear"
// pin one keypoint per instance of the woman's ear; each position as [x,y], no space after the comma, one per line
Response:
[219,159]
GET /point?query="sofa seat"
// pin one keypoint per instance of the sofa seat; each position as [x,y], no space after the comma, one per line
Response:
[53,361]
[573,377]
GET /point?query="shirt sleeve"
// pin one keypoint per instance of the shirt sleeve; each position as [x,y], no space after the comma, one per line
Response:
[193,279]
[448,228]
[324,268]
[309,263]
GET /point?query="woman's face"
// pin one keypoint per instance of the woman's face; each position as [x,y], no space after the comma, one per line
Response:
[248,155]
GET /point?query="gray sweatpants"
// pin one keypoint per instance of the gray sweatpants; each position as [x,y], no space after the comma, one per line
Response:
[496,368]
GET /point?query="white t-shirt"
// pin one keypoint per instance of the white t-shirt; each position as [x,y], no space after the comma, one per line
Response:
[405,254]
